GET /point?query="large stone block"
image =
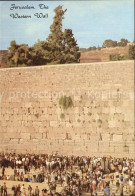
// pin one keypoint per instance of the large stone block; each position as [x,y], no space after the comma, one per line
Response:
[117,137]
[25,136]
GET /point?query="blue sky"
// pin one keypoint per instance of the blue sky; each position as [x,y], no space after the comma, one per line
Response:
[92,22]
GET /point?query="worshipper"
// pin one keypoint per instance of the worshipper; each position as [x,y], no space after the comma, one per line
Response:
[37,191]
[5,189]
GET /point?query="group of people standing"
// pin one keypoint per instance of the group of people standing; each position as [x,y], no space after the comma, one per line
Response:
[68,175]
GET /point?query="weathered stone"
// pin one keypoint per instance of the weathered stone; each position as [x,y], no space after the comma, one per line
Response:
[99,122]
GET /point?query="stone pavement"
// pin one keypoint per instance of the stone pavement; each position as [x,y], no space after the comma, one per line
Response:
[59,188]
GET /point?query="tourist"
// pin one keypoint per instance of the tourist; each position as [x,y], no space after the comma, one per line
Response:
[74,175]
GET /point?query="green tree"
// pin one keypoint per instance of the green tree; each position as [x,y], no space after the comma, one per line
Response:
[55,38]
[71,50]
[132,51]
[63,46]
[40,53]
[58,48]
[91,48]
[119,57]
[109,43]
[123,42]
[82,49]
[17,54]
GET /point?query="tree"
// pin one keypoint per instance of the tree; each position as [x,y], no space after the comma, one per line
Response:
[40,53]
[119,57]
[18,54]
[55,38]
[109,43]
[11,54]
[123,42]
[132,51]
[63,45]
[92,48]
[71,50]
[58,48]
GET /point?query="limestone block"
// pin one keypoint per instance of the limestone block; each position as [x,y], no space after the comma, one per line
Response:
[54,124]
[77,98]
[36,135]
[105,137]
[112,110]
[120,149]
[37,124]
[111,124]
[104,147]
[117,137]
[6,117]
[4,123]
[3,129]
[24,117]
[28,104]
[129,117]
[12,129]
[25,135]
[44,110]
[92,146]
[76,110]
[94,136]
[106,110]
[29,117]
[68,124]
[21,141]
[76,124]
[35,140]
[14,141]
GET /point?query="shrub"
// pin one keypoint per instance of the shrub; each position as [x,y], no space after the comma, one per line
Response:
[99,120]
[89,113]
[132,51]
[65,102]
[78,120]
[37,115]
[123,42]
[119,57]
[109,43]
[62,116]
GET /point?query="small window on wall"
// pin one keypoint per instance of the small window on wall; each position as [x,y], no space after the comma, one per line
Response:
[68,136]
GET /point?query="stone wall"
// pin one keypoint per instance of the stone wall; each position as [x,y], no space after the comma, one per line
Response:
[99,123]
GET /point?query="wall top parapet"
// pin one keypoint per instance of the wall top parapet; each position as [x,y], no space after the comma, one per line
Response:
[66,65]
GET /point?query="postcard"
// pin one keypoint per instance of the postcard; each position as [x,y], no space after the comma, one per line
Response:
[67,98]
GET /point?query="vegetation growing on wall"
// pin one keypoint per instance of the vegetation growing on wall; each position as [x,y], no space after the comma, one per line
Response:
[37,115]
[62,116]
[65,102]
[78,120]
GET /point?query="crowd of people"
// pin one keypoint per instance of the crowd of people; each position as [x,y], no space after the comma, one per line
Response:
[75,175]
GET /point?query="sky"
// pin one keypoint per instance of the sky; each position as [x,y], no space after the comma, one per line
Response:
[92,22]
